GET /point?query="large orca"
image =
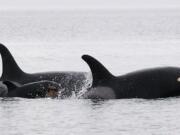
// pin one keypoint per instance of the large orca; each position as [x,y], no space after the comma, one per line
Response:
[148,84]
[71,81]
[31,90]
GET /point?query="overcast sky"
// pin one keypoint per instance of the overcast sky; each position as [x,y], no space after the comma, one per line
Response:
[78,4]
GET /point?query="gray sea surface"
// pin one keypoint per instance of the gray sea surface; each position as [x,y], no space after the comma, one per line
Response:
[123,40]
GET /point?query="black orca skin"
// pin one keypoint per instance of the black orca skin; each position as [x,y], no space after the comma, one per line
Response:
[152,83]
[71,81]
[3,89]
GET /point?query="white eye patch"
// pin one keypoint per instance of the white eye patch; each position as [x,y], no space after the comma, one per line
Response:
[178,79]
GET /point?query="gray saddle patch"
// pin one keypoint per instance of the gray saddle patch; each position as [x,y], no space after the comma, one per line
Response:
[101,92]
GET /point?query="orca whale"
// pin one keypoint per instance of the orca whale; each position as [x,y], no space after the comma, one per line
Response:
[31,90]
[152,83]
[71,81]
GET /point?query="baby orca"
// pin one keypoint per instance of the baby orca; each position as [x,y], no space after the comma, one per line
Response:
[148,84]
[39,89]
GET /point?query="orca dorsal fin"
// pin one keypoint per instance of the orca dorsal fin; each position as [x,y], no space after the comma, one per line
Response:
[99,73]
[11,85]
[10,69]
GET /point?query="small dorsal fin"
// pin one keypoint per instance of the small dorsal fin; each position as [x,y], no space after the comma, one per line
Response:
[10,69]
[99,73]
[11,85]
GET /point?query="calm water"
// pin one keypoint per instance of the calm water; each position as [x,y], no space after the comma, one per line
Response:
[72,116]
[122,40]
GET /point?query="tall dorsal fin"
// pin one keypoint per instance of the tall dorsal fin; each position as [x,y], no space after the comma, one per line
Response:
[11,85]
[10,69]
[99,73]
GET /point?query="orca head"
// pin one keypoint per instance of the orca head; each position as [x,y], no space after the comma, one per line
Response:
[52,89]
[103,80]
[44,88]
[10,69]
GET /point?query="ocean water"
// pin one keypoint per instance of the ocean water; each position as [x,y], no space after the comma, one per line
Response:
[123,40]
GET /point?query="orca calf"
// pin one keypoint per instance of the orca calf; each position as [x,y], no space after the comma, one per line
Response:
[31,90]
[71,81]
[148,84]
